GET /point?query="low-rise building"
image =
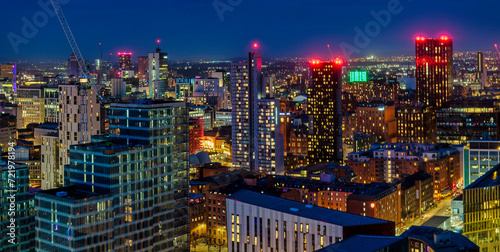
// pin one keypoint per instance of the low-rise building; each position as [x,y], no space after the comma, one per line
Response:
[416,194]
[259,222]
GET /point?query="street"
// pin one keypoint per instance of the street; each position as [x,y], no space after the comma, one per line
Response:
[440,210]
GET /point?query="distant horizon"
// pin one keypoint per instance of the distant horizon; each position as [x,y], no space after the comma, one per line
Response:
[225,29]
[114,58]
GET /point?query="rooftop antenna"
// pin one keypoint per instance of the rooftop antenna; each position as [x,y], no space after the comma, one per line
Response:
[158,45]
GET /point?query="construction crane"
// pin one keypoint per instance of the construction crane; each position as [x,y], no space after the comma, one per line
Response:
[83,125]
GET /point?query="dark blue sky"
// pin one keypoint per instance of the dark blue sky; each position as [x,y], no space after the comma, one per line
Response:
[192,29]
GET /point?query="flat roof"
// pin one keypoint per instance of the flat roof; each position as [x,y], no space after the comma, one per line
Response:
[435,221]
[490,178]
[303,210]
[361,243]
[426,234]
[72,193]
[147,103]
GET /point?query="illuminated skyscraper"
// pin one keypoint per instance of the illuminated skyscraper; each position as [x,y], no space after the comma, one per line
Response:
[481,72]
[125,60]
[434,73]
[256,137]
[246,88]
[129,191]
[158,73]
[325,108]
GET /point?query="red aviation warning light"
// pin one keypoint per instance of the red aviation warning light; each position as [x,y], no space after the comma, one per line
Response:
[420,38]
[444,38]
[124,53]
[255,45]
[338,61]
[315,61]
[157,41]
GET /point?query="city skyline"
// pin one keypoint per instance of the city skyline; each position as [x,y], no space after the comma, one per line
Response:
[280,33]
[369,125]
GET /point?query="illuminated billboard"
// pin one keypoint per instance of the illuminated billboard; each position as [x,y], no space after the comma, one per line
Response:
[358,76]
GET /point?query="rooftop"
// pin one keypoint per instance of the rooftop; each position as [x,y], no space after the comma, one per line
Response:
[490,178]
[147,103]
[410,180]
[435,221]
[71,194]
[427,235]
[362,243]
[303,210]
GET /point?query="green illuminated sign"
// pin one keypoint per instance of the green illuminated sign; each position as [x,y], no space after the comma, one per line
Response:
[358,76]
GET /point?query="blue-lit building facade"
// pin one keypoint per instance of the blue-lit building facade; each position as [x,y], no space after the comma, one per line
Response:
[480,156]
[132,185]
[23,211]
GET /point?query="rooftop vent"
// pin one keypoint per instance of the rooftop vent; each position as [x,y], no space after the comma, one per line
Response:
[61,194]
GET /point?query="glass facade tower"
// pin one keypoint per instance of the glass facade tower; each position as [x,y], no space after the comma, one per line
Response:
[140,172]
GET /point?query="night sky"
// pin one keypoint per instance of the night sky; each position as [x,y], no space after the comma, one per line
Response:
[193,29]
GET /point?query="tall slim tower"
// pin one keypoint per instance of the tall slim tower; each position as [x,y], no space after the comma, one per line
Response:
[325,109]
[254,118]
[434,74]
[481,72]
[158,73]
[246,88]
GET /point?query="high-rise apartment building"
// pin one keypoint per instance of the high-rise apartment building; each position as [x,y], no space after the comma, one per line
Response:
[158,73]
[434,72]
[249,104]
[324,106]
[75,99]
[129,191]
[481,71]
[268,140]
[245,79]
[125,60]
